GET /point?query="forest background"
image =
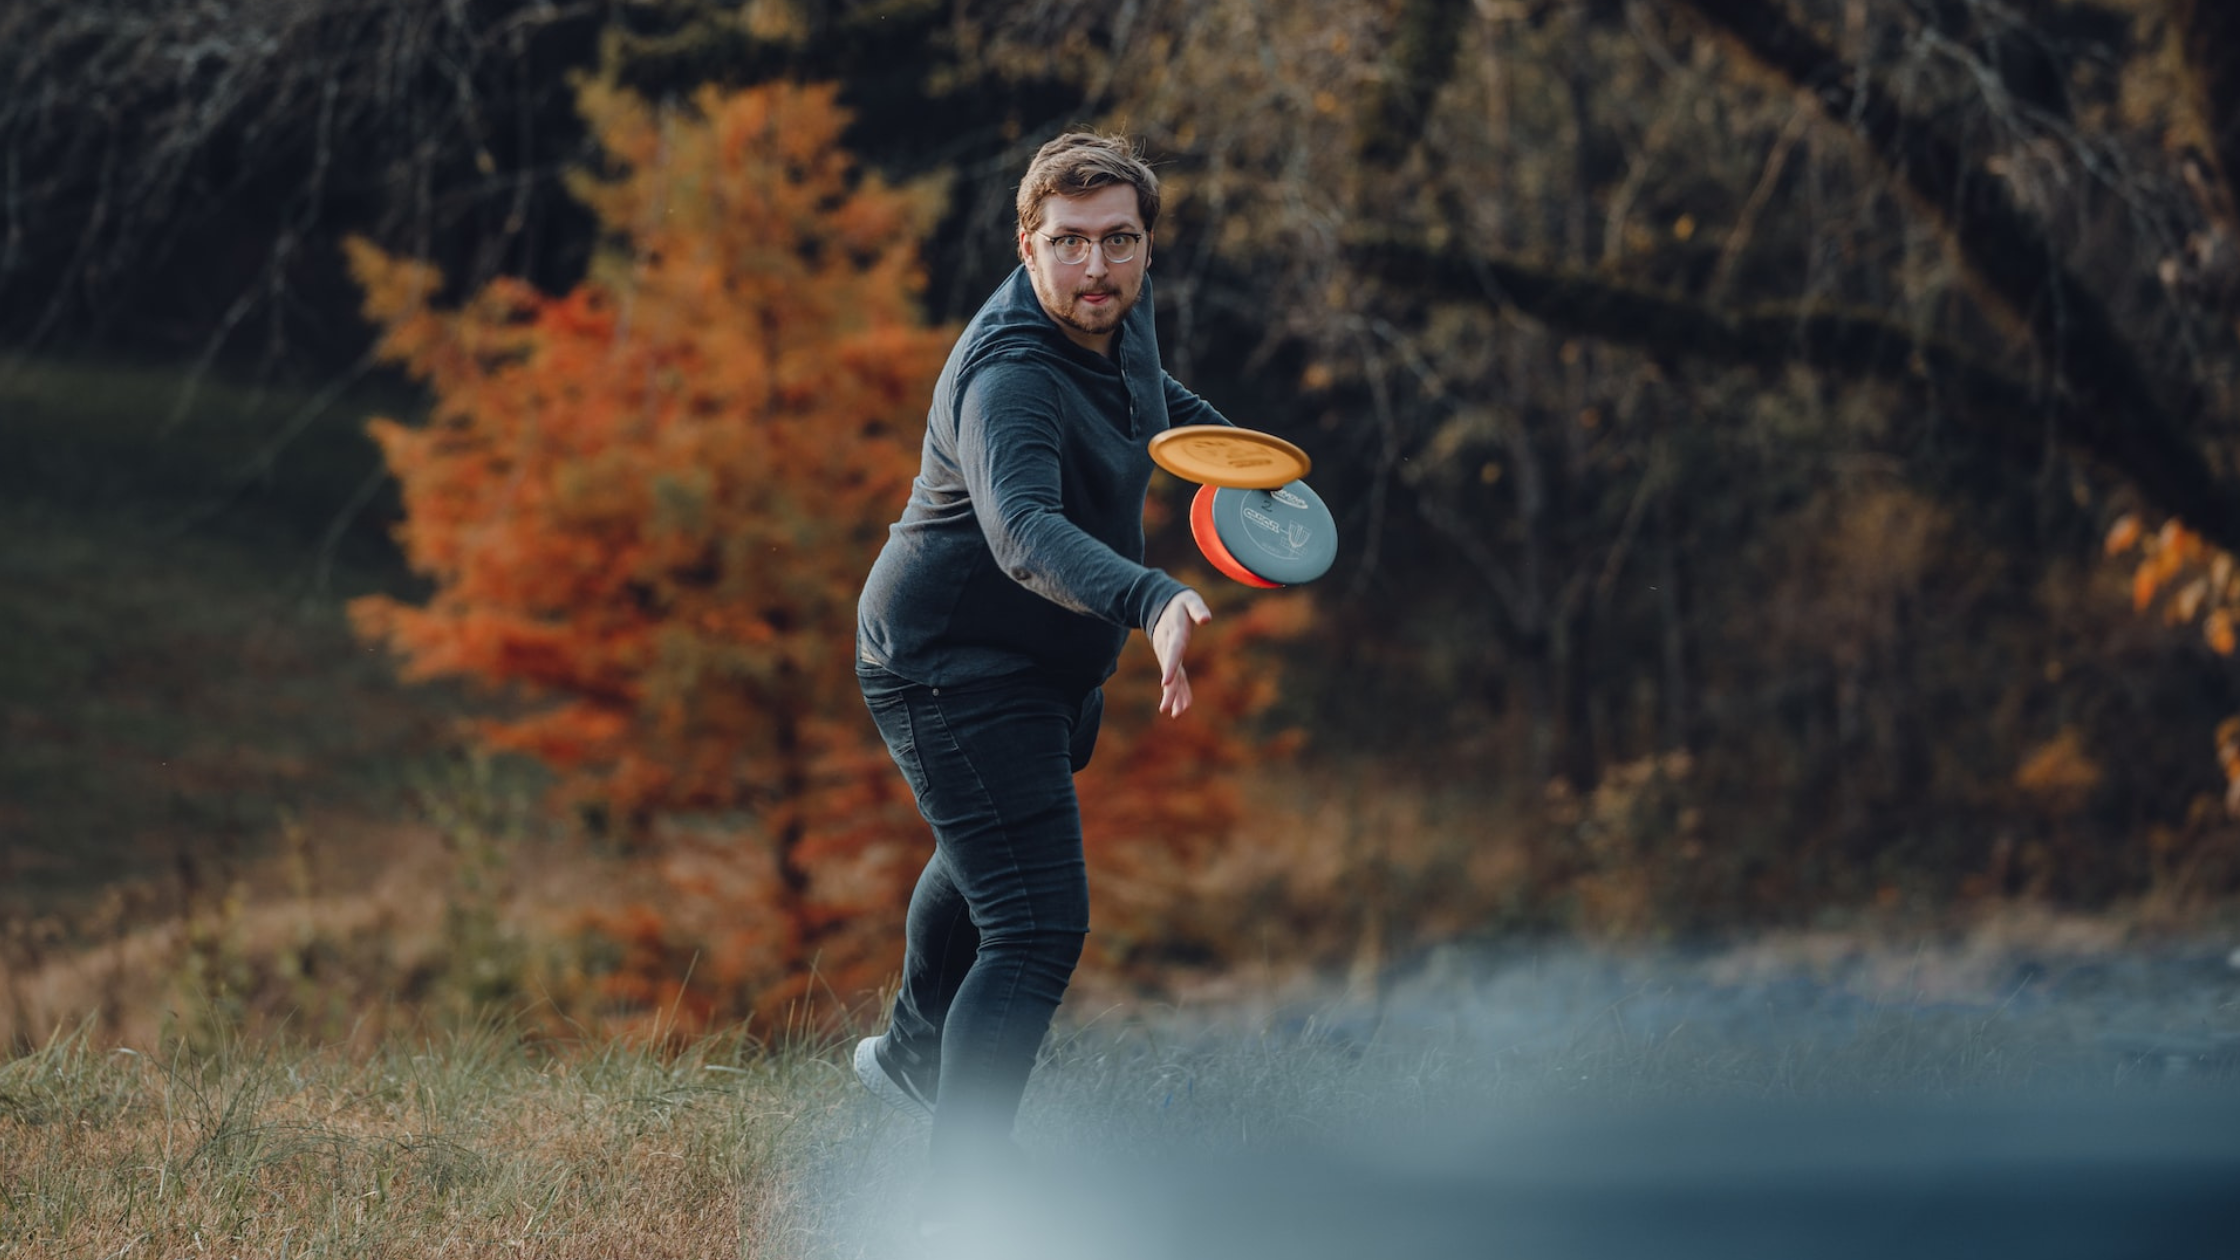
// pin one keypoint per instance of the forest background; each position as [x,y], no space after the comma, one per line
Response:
[1783,453]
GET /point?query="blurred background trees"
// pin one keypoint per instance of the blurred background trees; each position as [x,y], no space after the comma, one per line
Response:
[1730,405]
[1752,380]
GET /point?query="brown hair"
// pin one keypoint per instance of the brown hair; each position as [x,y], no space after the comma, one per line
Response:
[1080,162]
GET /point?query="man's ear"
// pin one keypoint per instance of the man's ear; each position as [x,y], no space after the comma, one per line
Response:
[1021,242]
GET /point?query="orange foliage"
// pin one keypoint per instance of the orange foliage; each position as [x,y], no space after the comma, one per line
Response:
[2059,775]
[1158,793]
[647,506]
[2195,580]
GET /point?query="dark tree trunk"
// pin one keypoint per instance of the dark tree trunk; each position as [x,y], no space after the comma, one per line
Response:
[1422,59]
[1679,701]
[1571,665]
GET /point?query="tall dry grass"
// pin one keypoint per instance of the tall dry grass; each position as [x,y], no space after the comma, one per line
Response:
[467,1143]
[494,1140]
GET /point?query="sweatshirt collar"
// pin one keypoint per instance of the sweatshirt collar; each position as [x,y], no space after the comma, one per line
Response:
[1026,311]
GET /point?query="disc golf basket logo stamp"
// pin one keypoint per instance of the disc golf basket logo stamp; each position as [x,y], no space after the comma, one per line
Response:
[1283,540]
[1265,538]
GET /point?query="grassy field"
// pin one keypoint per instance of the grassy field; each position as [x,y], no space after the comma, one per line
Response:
[201,762]
[482,1142]
[176,678]
[460,1144]
[254,874]
[1313,1130]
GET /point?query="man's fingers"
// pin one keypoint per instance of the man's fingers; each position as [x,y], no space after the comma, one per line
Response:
[1169,639]
[1174,697]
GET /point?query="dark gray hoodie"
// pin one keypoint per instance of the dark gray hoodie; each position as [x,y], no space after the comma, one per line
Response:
[1022,544]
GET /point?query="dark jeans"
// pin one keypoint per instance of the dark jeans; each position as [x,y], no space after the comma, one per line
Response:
[998,916]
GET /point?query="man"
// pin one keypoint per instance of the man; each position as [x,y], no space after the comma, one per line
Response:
[990,621]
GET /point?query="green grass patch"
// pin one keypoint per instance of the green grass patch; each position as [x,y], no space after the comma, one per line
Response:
[154,443]
[170,695]
[176,671]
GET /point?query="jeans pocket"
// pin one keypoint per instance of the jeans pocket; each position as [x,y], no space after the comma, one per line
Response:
[886,695]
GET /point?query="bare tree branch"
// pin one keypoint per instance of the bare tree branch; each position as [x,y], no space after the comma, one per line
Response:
[2014,272]
[1421,60]
[1849,345]
[2209,41]
[167,165]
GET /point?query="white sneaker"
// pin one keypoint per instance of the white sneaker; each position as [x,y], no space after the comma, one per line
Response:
[890,1088]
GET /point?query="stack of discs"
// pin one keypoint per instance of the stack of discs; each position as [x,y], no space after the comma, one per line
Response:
[1253,517]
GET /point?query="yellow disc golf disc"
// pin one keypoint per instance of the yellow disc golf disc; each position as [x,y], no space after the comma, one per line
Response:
[1221,455]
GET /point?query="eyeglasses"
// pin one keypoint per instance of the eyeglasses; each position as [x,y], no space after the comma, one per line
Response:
[1073,250]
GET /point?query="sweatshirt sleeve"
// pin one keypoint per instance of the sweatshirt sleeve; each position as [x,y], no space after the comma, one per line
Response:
[1008,452]
[1184,407]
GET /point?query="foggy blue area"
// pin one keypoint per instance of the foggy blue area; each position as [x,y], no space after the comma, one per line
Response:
[1564,1105]
[2049,1176]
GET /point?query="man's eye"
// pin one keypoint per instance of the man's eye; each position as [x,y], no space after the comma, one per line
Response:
[1069,242]
[1122,238]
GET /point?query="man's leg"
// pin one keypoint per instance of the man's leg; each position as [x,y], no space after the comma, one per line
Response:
[995,783]
[997,920]
[939,939]
[939,945]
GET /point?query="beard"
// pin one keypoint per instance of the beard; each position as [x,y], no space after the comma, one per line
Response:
[1067,308]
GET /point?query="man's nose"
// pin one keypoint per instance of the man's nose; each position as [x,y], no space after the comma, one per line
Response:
[1094,265]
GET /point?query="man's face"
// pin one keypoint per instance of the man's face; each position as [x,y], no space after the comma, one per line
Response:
[1087,298]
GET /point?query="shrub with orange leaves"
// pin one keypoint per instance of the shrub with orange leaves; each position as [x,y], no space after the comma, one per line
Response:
[647,506]
[2198,578]
[2193,579]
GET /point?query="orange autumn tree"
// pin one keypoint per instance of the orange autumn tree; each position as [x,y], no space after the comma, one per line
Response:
[647,506]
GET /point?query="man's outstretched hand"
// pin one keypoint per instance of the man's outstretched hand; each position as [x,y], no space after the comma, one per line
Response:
[1169,636]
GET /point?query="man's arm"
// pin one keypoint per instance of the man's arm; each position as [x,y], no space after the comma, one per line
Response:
[1184,407]
[1007,448]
